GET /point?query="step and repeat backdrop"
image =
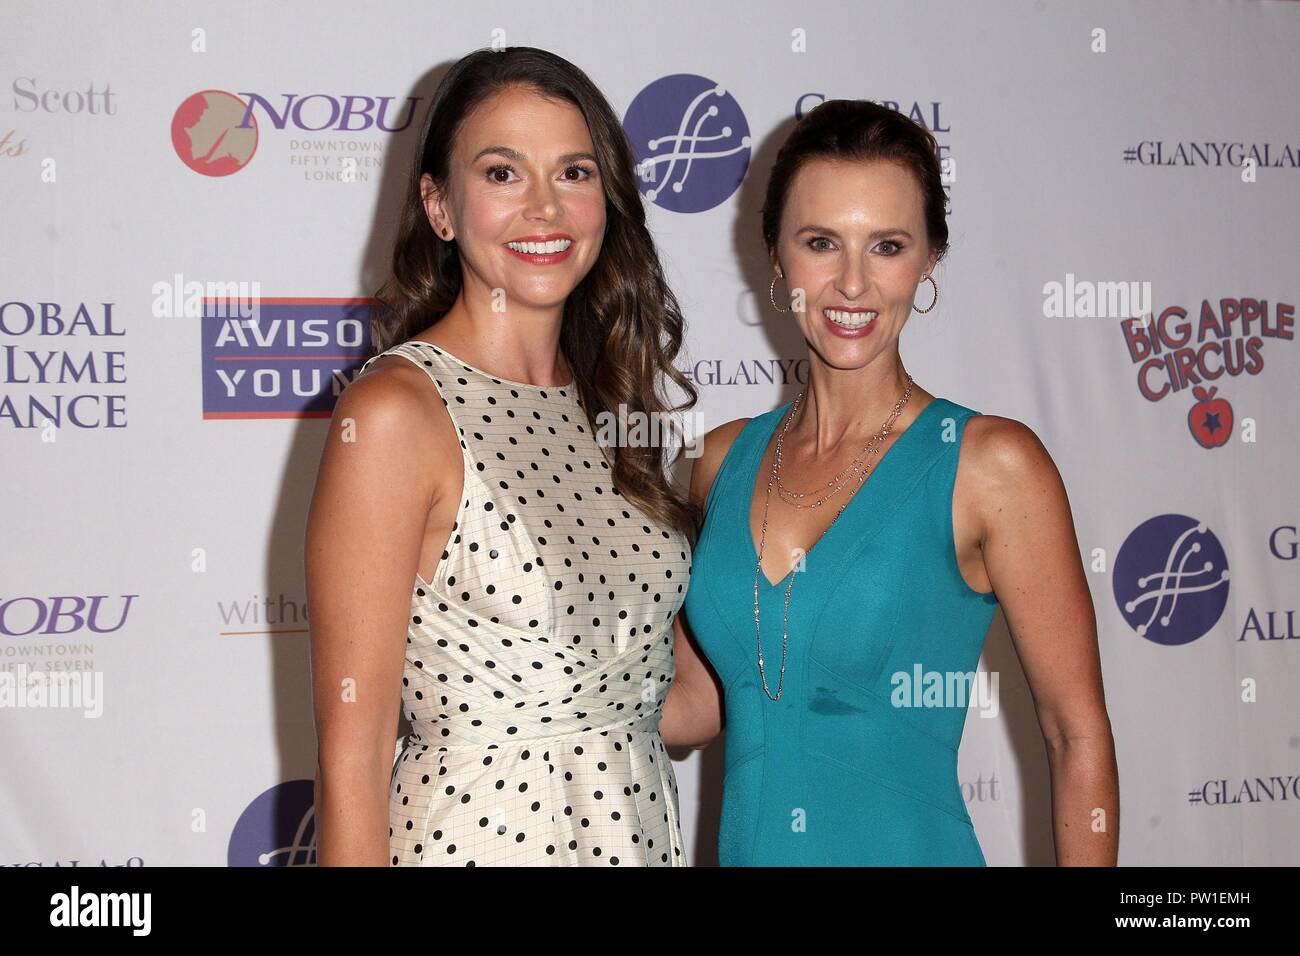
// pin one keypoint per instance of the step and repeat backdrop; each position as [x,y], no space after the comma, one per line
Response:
[1125,212]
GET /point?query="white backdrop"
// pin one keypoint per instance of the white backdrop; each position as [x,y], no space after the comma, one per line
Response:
[153,540]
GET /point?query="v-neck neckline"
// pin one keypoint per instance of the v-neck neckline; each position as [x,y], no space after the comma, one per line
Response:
[754,477]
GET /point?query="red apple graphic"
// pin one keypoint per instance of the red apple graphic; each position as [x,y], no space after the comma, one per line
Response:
[1210,419]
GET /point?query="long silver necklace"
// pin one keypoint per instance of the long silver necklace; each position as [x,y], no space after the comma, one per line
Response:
[775,476]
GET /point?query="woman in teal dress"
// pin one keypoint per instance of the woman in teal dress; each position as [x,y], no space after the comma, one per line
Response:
[857,541]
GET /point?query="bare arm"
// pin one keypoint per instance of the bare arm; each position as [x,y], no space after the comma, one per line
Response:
[693,712]
[364,532]
[1031,554]
[693,715]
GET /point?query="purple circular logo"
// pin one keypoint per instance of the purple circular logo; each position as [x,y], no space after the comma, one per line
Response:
[691,142]
[277,829]
[1171,579]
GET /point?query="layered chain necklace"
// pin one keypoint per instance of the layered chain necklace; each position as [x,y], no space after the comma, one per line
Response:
[860,467]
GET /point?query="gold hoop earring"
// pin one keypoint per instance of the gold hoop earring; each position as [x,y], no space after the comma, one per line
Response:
[936,296]
[771,294]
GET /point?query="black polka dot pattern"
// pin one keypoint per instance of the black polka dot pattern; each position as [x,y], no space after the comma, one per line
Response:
[539,655]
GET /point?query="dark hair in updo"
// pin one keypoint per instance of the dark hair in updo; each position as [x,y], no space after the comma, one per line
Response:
[863,131]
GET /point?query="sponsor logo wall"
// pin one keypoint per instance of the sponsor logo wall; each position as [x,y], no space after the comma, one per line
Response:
[196,220]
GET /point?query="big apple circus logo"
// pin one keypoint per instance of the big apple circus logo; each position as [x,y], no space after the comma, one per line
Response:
[1175,352]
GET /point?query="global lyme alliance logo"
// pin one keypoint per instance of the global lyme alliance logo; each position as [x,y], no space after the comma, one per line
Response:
[691,142]
[277,829]
[1171,579]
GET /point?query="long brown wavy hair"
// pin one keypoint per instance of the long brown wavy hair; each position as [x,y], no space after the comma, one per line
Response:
[622,326]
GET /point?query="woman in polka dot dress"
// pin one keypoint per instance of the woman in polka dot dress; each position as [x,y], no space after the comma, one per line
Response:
[533,657]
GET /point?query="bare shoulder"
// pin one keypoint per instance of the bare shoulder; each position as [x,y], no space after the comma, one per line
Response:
[1007,477]
[395,386]
[716,444]
[396,415]
[1003,450]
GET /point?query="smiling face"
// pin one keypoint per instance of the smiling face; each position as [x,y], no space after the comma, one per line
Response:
[853,238]
[524,201]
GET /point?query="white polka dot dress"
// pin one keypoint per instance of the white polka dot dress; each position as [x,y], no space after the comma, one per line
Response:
[539,656]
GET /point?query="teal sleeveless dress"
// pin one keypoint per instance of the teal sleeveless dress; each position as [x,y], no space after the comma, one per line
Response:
[834,774]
